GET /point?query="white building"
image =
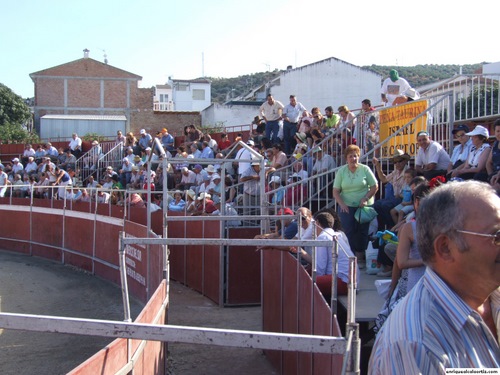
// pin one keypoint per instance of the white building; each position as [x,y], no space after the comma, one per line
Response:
[492,68]
[330,82]
[163,98]
[191,95]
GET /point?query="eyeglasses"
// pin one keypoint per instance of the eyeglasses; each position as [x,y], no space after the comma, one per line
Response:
[495,237]
[460,135]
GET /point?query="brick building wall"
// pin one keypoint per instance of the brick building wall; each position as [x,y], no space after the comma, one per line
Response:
[89,87]
[153,122]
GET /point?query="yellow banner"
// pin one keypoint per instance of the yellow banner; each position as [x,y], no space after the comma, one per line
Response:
[394,118]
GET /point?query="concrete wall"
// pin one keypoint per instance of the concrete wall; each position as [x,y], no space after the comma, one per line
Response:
[153,122]
[228,115]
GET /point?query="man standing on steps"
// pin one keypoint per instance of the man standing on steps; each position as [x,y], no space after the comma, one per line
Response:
[291,116]
[393,87]
[271,110]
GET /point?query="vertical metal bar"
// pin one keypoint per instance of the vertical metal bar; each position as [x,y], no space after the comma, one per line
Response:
[123,277]
[352,328]
[31,221]
[334,291]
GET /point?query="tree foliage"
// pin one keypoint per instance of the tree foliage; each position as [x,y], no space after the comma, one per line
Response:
[10,133]
[13,110]
[224,89]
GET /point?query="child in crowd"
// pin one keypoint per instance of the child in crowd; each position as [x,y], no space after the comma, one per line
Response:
[372,137]
[406,206]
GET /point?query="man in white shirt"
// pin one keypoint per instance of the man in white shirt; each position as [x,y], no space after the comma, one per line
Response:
[393,87]
[432,159]
[291,116]
[75,145]
[271,110]
[188,179]
[4,181]
[17,168]
[31,166]
[244,154]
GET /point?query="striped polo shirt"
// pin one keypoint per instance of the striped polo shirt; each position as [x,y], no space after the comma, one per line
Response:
[431,329]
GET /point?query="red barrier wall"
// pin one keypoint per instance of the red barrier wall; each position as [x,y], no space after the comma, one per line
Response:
[91,243]
[243,269]
[292,304]
[114,356]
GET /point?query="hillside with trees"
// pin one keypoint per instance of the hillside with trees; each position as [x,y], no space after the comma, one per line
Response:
[224,89]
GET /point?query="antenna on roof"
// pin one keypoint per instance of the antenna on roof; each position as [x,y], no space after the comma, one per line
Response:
[203,64]
[105,56]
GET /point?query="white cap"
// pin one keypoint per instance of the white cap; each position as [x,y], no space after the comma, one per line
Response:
[479,130]
[275,179]
[142,131]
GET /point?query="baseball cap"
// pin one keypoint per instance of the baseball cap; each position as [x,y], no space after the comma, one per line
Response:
[285,211]
[142,131]
[250,142]
[464,128]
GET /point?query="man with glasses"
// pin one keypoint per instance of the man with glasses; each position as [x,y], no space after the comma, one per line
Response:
[451,317]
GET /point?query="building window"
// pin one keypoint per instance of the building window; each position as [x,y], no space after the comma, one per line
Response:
[163,98]
[182,86]
[198,94]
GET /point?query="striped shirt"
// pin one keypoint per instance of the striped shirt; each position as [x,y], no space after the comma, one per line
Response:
[431,329]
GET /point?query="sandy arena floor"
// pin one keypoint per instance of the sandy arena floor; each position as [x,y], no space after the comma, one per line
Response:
[34,285]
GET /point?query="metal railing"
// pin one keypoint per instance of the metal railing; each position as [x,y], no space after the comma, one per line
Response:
[475,97]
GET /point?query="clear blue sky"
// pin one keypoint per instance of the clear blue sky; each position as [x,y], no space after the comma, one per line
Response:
[160,38]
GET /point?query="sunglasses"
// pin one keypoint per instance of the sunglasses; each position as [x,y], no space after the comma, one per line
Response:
[495,237]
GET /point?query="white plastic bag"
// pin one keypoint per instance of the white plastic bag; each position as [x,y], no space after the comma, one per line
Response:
[372,266]
[383,287]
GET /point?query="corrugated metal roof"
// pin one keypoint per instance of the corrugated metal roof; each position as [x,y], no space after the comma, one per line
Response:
[86,117]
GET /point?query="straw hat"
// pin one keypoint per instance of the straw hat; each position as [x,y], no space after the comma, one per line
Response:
[400,155]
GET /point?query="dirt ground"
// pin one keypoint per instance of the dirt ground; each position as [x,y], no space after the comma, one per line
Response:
[33,285]
[191,308]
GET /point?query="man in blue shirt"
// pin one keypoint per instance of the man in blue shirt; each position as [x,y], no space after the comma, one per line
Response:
[144,142]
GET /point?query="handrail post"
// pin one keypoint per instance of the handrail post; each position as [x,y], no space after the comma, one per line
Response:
[353,351]
[123,277]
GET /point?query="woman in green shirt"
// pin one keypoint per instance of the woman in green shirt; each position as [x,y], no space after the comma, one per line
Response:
[354,187]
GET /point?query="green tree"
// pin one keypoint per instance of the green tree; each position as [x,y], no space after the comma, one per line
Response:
[13,110]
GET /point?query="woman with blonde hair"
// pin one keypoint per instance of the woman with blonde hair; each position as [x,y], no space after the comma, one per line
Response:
[348,120]
[130,140]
